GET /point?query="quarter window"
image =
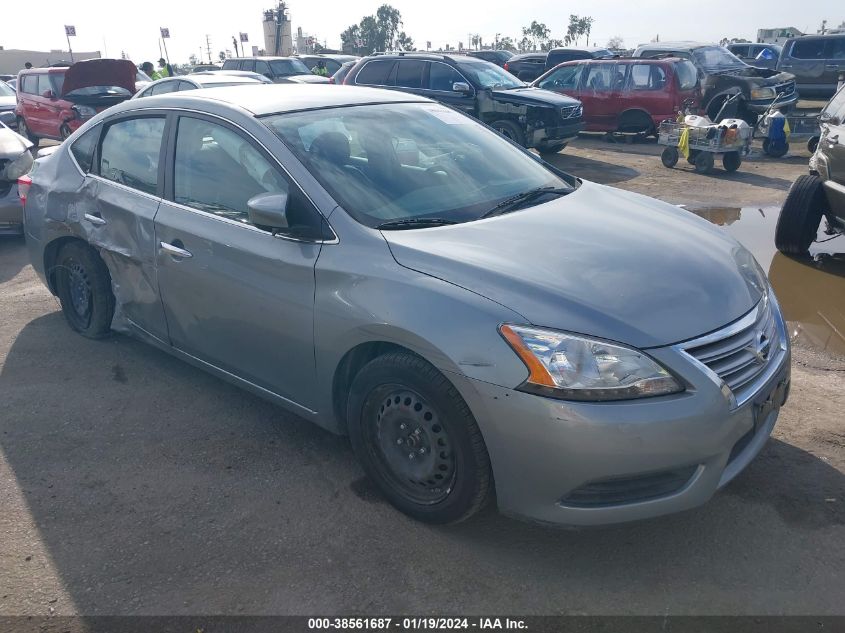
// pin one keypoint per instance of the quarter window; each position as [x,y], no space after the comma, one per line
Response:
[442,77]
[83,148]
[129,153]
[375,73]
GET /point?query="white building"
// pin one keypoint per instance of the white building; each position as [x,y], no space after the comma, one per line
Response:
[778,35]
[12,59]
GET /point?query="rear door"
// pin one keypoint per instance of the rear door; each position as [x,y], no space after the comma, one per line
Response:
[648,88]
[128,172]
[236,296]
[29,102]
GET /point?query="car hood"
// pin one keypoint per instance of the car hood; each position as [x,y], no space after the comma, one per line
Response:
[534,97]
[600,262]
[308,79]
[12,144]
[100,72]
[757,75]
[7,103]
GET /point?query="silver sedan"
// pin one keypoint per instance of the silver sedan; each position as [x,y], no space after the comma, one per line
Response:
[396,271]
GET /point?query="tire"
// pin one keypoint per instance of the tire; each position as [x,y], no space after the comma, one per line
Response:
[670,157]
[813,144]
[84,289]
[64,132]
[550,149]
[704,162]
[636,122]
[398,402]
[731,161]
[775,150]
[510,130]
[800,216]
[23,130]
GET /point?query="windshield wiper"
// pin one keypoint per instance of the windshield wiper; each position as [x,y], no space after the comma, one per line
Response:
[512,203]
[413,223]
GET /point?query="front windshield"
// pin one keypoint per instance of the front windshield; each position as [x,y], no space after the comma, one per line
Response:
[282,67]
[396,162]
[716,58]
[488,75]
[6,90]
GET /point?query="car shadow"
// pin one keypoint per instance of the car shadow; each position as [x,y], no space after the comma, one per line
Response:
[157,488]
[13,256]
[592,169]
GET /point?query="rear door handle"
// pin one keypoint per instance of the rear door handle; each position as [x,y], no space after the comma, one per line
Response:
[94,218]
[175,249]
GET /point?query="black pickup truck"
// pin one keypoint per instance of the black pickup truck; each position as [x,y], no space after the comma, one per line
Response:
[529,66]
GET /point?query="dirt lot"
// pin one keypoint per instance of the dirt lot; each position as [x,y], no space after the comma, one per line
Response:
[132,483]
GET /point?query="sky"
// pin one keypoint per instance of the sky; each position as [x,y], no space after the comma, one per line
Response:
[112,27]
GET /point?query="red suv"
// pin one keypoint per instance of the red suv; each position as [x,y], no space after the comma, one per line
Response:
[53,102]
[626,95]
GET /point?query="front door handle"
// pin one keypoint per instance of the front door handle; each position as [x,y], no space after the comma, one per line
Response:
[95,218]
[175,249]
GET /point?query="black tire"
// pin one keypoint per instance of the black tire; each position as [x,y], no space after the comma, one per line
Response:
[800,216]
[704,162]
[775,150]
[547,149]
[398,397]
[64,132]
[731,161]
[670,157]
[636,122]
[813,144]
[84,288]
[510,130]
[23,130]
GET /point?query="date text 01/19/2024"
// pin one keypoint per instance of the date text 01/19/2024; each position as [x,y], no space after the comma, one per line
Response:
[414,624]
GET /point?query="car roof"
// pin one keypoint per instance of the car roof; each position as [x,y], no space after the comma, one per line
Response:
[262,99]
[266,57]
[586,49]
[527,55]
[209,79]
[625,60]
[424,55]
[674,46]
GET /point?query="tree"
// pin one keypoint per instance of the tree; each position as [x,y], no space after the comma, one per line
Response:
[221,55]
[505,44]
[616,43]
[536,33]
[192,59]
[550,44]
[578,26]
[585,25]
[525,45]
[404,42]
[379,32]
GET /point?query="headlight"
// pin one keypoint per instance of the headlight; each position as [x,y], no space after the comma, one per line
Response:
[578,368]
[18,167]
[84,111]
[763,93]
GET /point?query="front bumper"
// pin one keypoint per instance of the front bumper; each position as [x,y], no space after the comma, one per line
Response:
[762,106]
[577,463]
[11,210]
[564,132]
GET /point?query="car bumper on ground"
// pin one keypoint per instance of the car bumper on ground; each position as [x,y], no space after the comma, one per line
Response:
[11,210]
[579,463]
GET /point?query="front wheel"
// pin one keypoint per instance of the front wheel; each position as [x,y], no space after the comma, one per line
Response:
[704,162]
[799,219]
[548,149]
[731,161]
[84,289]
[417,439]
[670,157]
[23,130]
[510,130]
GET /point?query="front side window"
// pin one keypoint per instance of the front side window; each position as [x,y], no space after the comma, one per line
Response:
[231,64]
[262,67]
[687,75]
[287,67]
[129,153]
[83,148]
[837,48]
[647,77]
[489,75]
[44,85]
[442,77]
[398,162]
[565,78]
[216,170]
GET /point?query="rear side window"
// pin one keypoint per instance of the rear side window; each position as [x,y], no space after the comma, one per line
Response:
[442,77]
[375,73]
[739,51]
[409,73]
[262,67]
[29,83]
[129,153]
[566,78]
[808,49]
[164,87]
[605,77]
[231,64]
[83,148]
[647,77]
[248,64]
[687,75]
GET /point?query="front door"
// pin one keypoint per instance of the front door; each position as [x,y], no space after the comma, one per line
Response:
[236,296]
[438,83]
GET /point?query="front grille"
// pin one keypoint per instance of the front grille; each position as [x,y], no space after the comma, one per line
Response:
[786,89]
[739,353]
[571,112]
[620,490]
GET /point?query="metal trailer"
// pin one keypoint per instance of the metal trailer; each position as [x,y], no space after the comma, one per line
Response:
[705,143]
[802,127]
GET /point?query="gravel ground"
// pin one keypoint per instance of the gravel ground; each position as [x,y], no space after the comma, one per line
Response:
[132,483]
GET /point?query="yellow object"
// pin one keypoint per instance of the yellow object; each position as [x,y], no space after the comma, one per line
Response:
[786,130]
[683,143]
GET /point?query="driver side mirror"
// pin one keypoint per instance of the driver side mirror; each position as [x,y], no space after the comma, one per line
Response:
[48,94]
[461,86]
[268,211]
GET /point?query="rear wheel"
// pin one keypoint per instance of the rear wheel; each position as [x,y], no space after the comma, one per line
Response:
[23,130]
[731,161]
[510,130]
[704,162]
[775,150]
[799,219]
[84,289]
[550,149]
[64,132]
[636,122]
[670,157]
[417,439]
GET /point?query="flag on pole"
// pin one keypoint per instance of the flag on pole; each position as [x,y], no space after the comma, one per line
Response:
[70,31]
[165,33]
[244,37]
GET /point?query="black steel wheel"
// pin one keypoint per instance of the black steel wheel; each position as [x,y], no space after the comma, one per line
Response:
[510,130]
[23,130]
[704,162]
[417,439]
[731,161]
[550,148]
[775,150]
[801,215]
[83,284]
[670,157]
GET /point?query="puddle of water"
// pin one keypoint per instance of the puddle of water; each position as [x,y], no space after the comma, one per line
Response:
[811,291]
